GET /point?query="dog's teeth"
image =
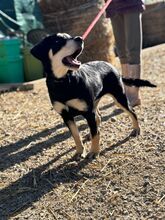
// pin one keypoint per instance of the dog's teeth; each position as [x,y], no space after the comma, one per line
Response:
[74,61]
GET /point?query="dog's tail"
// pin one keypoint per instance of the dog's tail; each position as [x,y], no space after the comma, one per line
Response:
[137,82]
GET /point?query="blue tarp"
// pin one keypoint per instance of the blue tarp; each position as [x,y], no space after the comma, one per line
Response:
[7,6]
[26,12]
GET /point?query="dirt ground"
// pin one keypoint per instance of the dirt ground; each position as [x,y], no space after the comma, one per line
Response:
[39,179]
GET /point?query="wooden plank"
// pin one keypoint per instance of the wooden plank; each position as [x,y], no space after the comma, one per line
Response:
[8,87]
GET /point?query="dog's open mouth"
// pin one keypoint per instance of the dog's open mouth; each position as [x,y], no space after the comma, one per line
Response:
[71,60]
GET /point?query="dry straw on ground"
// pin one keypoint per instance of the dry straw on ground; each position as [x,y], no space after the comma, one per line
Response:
[39,179]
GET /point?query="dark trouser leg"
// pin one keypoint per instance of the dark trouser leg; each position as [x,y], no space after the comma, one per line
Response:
[119,34]
[133,33]
[133,36]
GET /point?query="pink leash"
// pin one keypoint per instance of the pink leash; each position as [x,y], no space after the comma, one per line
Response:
[88,30]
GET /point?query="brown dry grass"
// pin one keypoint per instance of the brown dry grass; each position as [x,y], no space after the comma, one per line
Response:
[38,179]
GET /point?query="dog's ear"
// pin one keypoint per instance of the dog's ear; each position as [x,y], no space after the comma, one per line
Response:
[40,50]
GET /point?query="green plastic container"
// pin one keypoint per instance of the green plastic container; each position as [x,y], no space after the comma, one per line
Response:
[33,68]
[10,47]
[11,70]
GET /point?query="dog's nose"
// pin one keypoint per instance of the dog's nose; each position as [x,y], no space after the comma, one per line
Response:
[78,39]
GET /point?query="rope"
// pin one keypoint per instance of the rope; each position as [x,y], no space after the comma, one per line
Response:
[95,19]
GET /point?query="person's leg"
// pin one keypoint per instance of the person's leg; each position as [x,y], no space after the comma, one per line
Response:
[133,34]
[120,40]
[117,22]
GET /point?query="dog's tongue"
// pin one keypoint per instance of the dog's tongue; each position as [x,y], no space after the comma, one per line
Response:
[73,62]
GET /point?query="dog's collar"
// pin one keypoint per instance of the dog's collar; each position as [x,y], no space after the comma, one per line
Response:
[62,79]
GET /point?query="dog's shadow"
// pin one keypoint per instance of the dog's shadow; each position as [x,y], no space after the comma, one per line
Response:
[28,189]
[13,154]
[21,194]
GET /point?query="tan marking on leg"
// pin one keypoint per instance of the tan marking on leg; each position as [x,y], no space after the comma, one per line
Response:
[98,117]
[134,120]
[75,133]
[95,147]
[96,104]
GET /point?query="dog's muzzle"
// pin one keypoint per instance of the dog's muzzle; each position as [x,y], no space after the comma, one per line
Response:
[71,60]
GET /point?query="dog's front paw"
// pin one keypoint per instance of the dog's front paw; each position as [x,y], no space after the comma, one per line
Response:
[135,132]
[92,155]
[79,155]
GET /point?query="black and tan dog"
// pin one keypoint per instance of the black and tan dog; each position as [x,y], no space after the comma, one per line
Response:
[76,89]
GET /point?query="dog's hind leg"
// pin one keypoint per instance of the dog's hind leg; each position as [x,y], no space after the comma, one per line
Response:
[97,112]
[122,101]
[95,146]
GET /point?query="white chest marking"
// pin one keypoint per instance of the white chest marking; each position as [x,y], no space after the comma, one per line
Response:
[59,107]
[77,104]
[58,68]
